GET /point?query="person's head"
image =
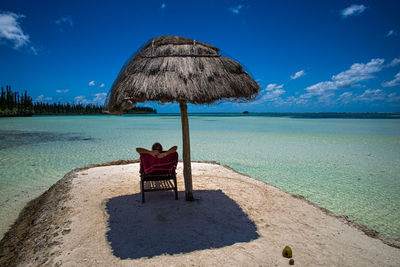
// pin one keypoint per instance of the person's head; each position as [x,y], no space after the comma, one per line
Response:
[157,146]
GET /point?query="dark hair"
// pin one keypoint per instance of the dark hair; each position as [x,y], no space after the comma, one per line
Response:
[157,146]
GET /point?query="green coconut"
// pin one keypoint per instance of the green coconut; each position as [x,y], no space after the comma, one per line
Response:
[287,252]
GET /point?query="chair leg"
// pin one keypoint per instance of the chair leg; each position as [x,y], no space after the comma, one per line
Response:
[176,188]
[142,189]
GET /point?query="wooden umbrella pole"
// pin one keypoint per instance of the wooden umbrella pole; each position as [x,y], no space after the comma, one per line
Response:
[187,168]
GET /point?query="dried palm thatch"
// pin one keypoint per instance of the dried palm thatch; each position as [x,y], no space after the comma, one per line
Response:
[172,68]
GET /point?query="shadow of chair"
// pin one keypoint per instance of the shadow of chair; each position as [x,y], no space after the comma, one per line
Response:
[167,226]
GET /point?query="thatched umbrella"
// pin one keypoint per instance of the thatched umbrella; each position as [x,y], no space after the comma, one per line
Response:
[178,69]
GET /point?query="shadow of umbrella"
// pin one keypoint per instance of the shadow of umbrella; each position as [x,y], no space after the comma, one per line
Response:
[165,226]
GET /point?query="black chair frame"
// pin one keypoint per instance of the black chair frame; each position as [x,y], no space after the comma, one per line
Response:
[158,182]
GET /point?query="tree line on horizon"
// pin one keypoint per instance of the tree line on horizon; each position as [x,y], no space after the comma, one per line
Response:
[13,104]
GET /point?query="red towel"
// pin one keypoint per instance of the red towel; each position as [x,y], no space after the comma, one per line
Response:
[150,164]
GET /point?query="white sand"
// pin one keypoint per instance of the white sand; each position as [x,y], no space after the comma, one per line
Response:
[238,221]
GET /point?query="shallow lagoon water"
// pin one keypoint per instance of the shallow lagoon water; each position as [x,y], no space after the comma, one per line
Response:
[349,166]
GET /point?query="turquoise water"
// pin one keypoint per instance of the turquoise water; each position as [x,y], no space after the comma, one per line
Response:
[349,166]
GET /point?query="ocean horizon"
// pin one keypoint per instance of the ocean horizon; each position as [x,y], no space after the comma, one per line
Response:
[350,167]
[302,115]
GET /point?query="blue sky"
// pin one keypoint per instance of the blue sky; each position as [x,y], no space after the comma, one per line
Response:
[308,56]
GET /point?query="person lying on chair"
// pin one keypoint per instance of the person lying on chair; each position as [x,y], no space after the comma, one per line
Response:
[158,167]
[157,151]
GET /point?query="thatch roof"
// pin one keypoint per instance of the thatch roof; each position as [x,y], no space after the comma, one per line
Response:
[172,68]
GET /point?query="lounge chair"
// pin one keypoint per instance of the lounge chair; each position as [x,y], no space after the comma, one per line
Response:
[158,174]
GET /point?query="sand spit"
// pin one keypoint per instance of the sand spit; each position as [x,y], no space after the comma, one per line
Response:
[93,216]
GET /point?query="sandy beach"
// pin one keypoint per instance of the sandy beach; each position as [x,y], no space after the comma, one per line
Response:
[94,217]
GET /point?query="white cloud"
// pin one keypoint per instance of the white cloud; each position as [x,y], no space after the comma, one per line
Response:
[290,101]
[80,99]
[102,85]
[64,23]
[298,74]
[271,93]
[67,20]
[273,86]
[42,98]
[358,72]
[235,9]
[346,97]
[98,99]
[369,95]
[39,98]
[353,10]
[91,83]
[326,98]
[163,5]
[394,82]
[62,91]
[393,97]
[319,89]
[12,33]
[394,62]
[391,33]
[372,95]
[34,50]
